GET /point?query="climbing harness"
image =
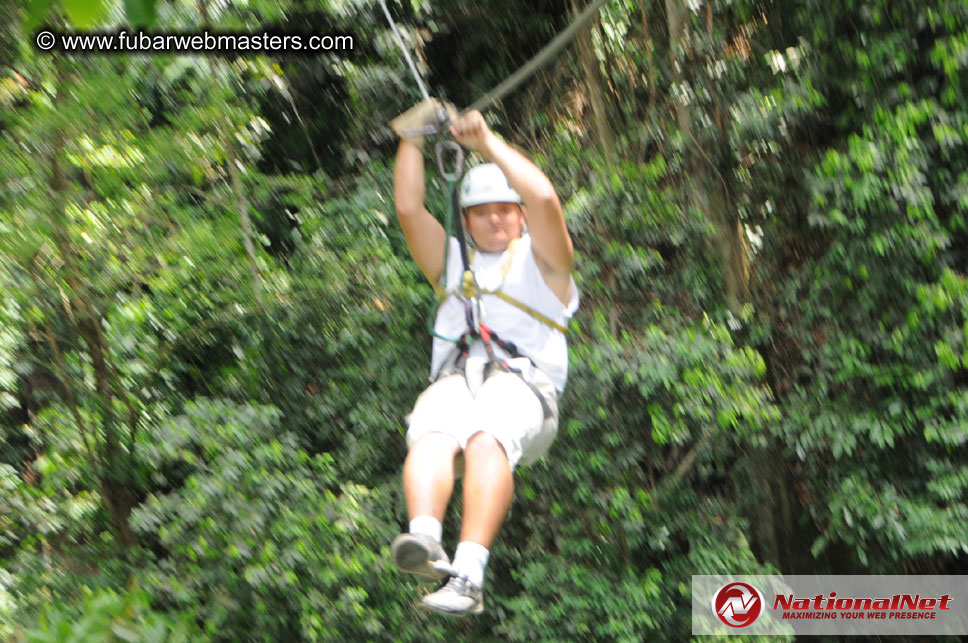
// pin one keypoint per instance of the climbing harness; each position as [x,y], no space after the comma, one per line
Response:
[469,288]
[471,293]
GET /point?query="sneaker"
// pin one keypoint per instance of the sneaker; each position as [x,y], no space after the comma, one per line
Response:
[420,555]
[458,597]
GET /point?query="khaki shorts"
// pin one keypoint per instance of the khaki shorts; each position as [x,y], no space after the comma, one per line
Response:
[504,406]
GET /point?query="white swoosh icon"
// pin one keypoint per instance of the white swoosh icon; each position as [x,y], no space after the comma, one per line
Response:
[737,605]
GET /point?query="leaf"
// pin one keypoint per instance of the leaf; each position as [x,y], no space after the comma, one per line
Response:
[124,633]
[84,13]
[141,13]
[36,13]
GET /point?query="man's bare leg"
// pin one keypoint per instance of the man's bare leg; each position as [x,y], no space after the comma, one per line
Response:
[428,481]
[428,475]
[488,490]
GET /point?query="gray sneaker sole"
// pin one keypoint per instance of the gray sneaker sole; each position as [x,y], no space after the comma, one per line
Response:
[411,555]
[474,611]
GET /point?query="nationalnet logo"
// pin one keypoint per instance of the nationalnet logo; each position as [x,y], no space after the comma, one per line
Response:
[738,604]
[832,604]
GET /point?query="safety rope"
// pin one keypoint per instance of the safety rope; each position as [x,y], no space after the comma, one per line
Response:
[452,178]
[403,48]
[442,118]
[453,208]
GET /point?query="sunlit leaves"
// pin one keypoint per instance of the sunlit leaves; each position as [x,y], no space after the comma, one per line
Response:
[873,305]
[141,13]
[258,519]
[106,615]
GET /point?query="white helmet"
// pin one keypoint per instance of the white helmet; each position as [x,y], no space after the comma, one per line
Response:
[486,183]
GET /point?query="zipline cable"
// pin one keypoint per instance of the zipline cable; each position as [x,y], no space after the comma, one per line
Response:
[511,82]
[539,59]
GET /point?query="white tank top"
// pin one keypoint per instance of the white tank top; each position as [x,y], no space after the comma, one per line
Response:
[521,280]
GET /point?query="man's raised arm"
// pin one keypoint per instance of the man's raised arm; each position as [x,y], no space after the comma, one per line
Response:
[425,236]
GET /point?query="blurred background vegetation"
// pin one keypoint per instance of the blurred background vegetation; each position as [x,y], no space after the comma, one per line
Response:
[210,327]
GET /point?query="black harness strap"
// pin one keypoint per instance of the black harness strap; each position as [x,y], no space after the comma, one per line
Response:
[459,226]
[489,338]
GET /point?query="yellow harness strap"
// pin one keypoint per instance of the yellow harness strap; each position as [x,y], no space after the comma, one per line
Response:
[470,289]
[547,321]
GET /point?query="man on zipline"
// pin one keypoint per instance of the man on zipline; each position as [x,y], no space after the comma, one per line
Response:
[493,401]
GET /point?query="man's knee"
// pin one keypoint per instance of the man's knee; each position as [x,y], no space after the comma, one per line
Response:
[484,446]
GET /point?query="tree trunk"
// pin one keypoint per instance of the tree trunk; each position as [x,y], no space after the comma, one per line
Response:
[593,85]
[243,207]
[708,192]
[113,469]
[706,188]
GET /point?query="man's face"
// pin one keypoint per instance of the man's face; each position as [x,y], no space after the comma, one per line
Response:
[494,225]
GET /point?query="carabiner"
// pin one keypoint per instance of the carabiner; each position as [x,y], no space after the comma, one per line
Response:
[439,148]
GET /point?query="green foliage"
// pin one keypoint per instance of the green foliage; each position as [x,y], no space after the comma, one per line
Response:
[107,616]
[867,324]
[212,330]
[25,510]
[8,605]
[265,540]
[260,536]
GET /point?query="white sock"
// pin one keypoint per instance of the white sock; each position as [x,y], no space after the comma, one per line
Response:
[427,525]
[470,559]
